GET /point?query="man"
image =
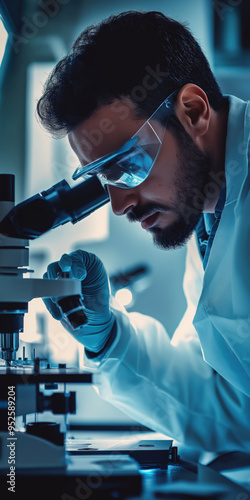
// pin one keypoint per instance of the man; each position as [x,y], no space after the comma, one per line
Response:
[143,112]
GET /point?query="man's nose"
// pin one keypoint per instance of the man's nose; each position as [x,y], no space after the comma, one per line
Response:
[122,200]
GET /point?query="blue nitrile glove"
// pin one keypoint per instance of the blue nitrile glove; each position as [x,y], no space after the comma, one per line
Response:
[88,318]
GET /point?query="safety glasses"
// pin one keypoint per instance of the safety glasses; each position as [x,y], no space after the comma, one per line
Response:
[130,165]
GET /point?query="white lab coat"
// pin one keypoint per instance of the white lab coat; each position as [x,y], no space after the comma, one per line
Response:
[195,388]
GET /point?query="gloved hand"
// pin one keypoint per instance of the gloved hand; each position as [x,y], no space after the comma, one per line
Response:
[92,305]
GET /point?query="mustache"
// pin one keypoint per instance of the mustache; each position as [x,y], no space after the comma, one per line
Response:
[137,214]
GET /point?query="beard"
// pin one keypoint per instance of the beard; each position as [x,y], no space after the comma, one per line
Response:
[190,184]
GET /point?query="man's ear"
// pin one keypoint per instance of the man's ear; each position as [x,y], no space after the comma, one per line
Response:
[193,110]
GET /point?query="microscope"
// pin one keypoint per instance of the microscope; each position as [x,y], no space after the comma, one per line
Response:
[27,221]
[34,456]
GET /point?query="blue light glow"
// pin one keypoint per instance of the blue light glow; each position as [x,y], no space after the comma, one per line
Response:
[3,39]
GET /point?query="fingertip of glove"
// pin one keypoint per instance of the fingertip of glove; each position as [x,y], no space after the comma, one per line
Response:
[80,274]
[65,263]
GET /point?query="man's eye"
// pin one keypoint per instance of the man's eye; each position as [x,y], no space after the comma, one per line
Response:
[112,173]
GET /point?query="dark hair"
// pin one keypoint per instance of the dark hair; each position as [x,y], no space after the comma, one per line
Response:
[115,59]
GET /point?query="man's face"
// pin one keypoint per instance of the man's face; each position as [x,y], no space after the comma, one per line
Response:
[170,201]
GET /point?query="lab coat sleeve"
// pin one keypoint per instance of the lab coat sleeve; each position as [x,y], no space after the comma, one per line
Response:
[167,386]
[171,389]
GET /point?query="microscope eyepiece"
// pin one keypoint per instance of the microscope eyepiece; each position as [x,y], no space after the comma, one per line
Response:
[53,207]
